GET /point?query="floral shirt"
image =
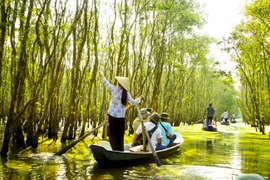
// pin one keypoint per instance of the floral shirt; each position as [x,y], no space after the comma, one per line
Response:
[116,108]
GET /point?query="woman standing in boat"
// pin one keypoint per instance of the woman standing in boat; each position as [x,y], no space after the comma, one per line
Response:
[120,97]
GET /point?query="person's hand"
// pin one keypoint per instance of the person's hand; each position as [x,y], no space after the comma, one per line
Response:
[127,107]
[100,74]
[142,97]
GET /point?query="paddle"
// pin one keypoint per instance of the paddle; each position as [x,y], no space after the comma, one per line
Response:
[65,149]
[149,139]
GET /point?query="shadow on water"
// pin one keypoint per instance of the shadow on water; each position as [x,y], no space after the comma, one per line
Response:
[221,155]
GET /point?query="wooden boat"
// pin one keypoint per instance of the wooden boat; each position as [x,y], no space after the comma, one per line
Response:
[107,158]
[225,123]
[209,128]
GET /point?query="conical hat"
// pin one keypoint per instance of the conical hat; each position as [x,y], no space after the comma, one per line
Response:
[124,81]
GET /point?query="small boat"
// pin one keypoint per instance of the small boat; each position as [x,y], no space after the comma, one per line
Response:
[223,122]
[209,128]
[107,158]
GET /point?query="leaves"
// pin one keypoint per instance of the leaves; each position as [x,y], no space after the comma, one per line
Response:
[252,50]
[153,43]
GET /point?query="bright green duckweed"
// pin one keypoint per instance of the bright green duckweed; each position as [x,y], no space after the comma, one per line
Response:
[223,154]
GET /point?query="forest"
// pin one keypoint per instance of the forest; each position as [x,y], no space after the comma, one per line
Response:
[52,50]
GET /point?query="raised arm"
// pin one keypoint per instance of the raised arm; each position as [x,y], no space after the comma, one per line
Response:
[105,81]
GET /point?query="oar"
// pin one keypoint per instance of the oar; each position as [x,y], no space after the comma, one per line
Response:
[65,149]
[149,139]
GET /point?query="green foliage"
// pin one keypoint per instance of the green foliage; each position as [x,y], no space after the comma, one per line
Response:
[249,44]
[153,43]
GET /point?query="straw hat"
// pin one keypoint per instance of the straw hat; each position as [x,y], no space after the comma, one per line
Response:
[145,114]
[123,81]
[164,116]
[155,118]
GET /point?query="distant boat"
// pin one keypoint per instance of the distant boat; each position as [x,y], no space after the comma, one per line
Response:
[108,158]
[210,127]
[225,123]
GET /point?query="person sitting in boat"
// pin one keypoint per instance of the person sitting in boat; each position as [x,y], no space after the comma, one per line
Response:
[225,116]
[205,123]
[166,130]
[145,114]
[156,139]
[233,118]
[223,121]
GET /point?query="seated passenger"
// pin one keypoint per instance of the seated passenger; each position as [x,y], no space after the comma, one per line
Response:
[233,118]
[156,139]
[212,122]
[145,114]
[225,115]
[166,130]
[205,123]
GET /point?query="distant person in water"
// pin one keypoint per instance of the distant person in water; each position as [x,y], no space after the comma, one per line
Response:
[210,114]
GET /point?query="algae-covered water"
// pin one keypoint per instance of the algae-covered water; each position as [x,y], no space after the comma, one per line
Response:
[224,154]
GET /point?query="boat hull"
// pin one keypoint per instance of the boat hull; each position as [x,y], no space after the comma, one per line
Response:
[210,128]
[108,158]
[225,123]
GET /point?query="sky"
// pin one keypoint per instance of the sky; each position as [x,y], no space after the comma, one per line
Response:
[223,16]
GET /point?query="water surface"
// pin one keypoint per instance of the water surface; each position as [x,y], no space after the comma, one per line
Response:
[204,155]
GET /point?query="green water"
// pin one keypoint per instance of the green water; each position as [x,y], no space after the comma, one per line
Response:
[224,154]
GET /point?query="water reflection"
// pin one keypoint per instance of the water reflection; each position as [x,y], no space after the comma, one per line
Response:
[209,145]
[236,158]
[206,145]
[60,167]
